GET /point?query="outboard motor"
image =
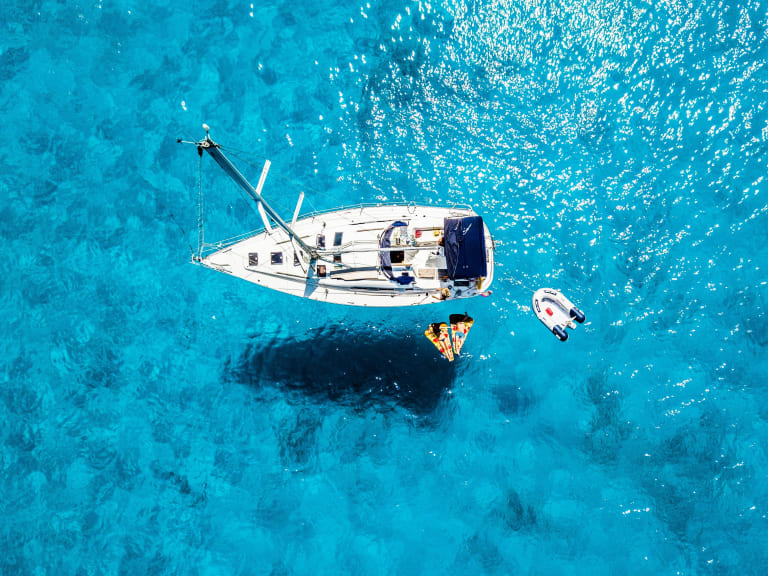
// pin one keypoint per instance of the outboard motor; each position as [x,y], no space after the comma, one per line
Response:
[561,334]
[578,315]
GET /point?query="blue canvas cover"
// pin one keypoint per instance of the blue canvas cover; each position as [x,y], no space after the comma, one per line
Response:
[386,259]
[465,247]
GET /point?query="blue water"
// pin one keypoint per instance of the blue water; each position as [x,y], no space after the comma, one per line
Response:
[159,418]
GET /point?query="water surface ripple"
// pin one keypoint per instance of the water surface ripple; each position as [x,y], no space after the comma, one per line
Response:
[158,418]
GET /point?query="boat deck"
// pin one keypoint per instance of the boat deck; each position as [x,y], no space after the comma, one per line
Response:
[349,270]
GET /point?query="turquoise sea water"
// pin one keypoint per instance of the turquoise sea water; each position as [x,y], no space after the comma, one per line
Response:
[159,418]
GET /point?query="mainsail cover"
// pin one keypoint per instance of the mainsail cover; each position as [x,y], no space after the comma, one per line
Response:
[386,242]
[465,247]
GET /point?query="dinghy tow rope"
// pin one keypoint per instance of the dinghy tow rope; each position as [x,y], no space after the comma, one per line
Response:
[523,284]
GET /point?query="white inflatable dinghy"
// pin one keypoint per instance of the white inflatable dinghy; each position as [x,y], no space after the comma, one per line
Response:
[556,312]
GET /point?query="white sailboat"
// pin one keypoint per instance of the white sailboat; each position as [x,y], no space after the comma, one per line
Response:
[369,255]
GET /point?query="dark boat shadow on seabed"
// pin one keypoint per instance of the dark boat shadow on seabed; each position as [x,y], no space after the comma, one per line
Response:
[356,366]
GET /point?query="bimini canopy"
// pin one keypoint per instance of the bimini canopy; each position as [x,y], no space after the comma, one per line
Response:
[465,247]
[385,242]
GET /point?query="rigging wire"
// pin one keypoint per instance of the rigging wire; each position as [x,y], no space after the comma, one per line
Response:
[183,233]
[244,155]
[249,201]
[242,159]
[200,215]
[241,155]
[298,185]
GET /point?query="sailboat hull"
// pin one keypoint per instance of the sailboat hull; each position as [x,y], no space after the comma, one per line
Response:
[349,270]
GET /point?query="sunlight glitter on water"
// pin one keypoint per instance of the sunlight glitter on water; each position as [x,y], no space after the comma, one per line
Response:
[160,417]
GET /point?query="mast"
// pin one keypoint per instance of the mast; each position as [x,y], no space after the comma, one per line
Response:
[255,193]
